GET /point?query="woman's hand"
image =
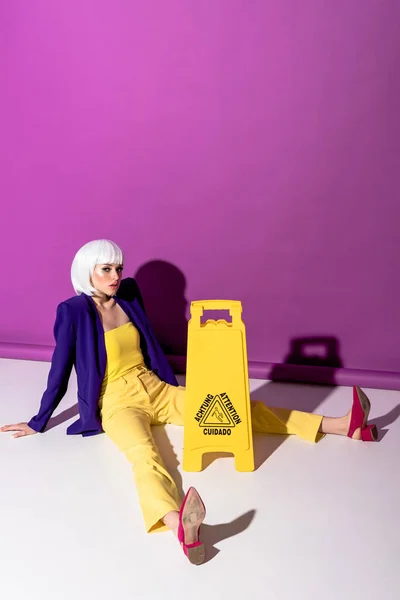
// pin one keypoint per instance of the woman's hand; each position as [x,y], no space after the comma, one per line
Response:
[22,429]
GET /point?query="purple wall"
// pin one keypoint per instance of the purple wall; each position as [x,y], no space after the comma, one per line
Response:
[252,146]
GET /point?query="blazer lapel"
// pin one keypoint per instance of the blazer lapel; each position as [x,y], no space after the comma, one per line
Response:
[100,355]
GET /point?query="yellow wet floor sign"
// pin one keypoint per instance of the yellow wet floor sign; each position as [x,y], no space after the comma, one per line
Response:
[217,405]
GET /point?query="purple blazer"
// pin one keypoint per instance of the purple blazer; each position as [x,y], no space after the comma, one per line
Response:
[79,336]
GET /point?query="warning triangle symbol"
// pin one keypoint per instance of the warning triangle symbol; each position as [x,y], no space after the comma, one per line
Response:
[217,415]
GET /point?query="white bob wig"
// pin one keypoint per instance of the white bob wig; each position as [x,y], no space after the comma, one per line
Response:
[98,252]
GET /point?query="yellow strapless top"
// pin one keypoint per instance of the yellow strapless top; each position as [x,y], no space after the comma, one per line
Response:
[123,352]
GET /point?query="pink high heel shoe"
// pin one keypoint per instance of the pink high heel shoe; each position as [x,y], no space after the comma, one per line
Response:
[359,416]
[191,516]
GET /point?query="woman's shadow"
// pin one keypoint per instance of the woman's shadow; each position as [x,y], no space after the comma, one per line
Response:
[163,286]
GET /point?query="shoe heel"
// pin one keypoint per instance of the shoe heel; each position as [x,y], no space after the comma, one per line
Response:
[196,554]
[369,434]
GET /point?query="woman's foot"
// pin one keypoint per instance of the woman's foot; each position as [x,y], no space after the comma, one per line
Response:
[354,424]
[339,426]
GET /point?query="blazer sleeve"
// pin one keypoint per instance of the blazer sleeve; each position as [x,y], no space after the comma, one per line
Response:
[60,370]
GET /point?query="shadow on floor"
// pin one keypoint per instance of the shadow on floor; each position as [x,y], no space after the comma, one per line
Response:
[64,416]
[213,534]
[313,351]
[385,420]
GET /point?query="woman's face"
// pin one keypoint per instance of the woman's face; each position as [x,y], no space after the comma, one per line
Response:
[106,278]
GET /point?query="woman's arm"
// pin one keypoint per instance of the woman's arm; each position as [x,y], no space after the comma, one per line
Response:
[61,366]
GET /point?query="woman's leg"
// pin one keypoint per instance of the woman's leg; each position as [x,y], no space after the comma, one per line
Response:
[167,403]
[170,406]
[309,426]
[127,413]
[283,421]
[129,429]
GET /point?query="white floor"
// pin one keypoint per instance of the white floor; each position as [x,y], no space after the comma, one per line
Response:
[312,522]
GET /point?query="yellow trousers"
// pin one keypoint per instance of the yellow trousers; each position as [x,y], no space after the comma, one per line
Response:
[131,404]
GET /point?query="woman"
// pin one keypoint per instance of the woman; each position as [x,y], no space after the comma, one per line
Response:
[125,385]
